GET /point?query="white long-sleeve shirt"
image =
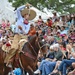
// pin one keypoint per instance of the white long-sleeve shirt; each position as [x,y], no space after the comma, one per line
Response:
[20,20]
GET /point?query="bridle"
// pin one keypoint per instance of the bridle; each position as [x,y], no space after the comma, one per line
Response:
[40,47]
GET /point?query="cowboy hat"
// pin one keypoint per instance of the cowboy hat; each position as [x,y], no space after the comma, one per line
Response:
[31,12]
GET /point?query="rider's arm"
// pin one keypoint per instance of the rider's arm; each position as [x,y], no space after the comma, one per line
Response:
[18,11]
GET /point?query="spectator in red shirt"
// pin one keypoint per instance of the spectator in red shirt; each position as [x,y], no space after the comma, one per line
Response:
[49,22]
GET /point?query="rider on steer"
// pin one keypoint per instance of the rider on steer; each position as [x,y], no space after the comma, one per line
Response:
[24,13]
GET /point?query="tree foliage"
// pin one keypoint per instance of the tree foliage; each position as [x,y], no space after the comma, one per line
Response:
[58,5]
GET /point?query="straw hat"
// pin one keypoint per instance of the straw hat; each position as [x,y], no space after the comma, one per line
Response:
[31,12]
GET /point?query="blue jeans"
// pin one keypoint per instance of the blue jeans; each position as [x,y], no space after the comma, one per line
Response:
[64,64]
[47,67]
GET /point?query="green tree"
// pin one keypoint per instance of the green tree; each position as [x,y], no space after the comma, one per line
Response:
[58,5]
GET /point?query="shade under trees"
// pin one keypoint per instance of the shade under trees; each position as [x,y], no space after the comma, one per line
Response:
[57,5]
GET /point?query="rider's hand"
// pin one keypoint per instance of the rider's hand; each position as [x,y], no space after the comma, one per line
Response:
[20,27]
[27,5]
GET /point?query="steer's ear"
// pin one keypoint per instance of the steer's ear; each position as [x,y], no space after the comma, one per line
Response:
[37,34]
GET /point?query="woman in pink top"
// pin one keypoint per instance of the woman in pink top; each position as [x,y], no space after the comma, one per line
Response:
[3,24]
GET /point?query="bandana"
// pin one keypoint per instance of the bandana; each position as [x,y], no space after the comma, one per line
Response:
[8,44]
[26,21]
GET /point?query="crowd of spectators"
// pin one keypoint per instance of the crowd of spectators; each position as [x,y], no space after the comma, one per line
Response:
[59,35]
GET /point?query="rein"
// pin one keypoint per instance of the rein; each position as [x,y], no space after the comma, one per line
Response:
[32,48]
[40,48]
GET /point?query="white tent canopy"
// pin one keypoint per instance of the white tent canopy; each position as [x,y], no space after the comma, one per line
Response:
[39,13]
[7,12]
